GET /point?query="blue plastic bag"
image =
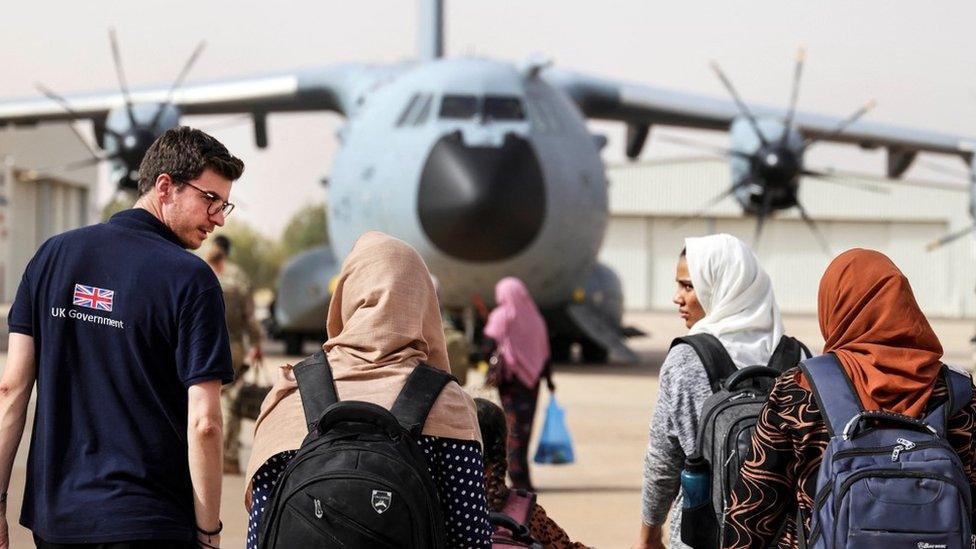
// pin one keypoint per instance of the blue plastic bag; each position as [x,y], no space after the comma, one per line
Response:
[555,444]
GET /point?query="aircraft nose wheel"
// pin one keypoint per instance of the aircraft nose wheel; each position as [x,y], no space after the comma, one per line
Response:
[590,352]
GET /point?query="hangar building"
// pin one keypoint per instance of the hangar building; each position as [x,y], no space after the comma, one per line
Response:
[651,209]
[34,207]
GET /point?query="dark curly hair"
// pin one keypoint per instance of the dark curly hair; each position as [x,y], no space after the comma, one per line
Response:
[494,435]
[183,153]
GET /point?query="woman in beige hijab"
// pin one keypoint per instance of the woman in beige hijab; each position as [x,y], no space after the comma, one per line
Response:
[383,322]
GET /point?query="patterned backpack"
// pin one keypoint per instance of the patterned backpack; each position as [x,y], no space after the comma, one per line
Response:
[512,527]
[887,480]
[728,419]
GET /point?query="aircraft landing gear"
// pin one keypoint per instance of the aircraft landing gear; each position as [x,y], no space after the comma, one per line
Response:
[592,352]
[561,350]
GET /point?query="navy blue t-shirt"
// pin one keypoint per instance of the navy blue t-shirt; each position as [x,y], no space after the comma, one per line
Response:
[124,321]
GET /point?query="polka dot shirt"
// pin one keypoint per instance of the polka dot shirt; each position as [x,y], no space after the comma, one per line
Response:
[456,467]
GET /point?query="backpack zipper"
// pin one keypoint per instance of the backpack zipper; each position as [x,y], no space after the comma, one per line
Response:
[731,443]
[342,517]
[817,506]
[889,473]
[895,450]
[432,511]
[301,457]
[724,405]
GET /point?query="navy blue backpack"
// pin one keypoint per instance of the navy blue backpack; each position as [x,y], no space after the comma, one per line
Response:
[887,480]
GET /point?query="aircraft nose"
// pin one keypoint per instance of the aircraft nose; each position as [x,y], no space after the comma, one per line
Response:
[482,203]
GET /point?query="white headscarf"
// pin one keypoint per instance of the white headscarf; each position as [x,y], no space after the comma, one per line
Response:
[737,295]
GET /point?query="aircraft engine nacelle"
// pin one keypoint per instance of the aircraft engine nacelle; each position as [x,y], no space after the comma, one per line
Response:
[127,136]
[605,293]
[302,299]
[767,174]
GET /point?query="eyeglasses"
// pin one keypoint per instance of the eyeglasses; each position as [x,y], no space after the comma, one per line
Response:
[217,204]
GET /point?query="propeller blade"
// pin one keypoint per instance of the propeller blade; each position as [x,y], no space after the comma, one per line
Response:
[54,96]
[711,203]
[700,145]
[738,101]
[944,170]
[117,58]
[843,125]
[693,143]
[794,95]
[890,183]
[839,179]
[814,228]
[761,219]
[67,108]
[178,82]
[951,237]
[50,171]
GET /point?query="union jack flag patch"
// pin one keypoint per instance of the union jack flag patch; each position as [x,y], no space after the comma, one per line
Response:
[94,298]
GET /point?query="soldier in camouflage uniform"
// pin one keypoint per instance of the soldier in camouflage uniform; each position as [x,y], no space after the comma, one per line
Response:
[458,348]
[243,330]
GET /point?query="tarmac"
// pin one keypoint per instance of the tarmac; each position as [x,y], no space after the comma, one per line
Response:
[597,499]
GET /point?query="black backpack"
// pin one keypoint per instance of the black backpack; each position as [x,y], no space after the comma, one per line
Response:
[360,479]
[728,419]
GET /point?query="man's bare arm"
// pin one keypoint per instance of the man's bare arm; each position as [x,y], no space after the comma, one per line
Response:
[16,385]
[205,439]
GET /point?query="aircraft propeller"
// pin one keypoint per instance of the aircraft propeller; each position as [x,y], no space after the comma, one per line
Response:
[969,229]
[775,164]
[126,136]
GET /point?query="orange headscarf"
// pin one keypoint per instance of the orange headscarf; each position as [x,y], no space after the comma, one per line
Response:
[870,320]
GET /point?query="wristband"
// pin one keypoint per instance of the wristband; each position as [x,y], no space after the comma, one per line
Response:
[220,527]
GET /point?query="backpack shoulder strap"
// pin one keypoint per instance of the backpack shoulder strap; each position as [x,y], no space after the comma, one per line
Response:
[718,363]
[960,388]
[788,353]
[418,396]
[833,391]
[315,386]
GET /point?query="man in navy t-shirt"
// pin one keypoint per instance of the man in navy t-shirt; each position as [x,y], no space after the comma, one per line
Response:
[124,332]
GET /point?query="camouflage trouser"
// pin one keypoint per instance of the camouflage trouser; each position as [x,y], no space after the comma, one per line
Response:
[228,407]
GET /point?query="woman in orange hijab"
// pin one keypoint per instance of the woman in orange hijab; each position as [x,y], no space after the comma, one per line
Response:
[383,321]
[871,322]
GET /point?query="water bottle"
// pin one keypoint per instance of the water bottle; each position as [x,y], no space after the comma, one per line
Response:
[696,482]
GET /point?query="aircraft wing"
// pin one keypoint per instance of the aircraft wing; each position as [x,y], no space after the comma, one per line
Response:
[336,88]
[639,104]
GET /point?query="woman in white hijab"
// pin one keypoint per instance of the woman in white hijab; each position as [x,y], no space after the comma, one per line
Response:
[723,291]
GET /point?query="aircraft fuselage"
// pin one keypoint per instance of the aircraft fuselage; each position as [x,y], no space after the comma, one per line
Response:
[487,170]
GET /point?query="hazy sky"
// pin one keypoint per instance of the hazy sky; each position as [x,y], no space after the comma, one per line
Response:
[912,57]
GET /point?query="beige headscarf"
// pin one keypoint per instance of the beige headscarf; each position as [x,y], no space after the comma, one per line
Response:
[383,321]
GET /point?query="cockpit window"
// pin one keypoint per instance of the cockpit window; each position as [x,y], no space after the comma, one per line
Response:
[424,110]
[416,111]
[503,108]
[406,110]
[459,106]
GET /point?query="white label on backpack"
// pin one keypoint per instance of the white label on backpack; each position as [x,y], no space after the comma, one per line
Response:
[381,501]
[926,545]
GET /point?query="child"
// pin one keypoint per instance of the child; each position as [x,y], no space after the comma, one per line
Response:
[494,432]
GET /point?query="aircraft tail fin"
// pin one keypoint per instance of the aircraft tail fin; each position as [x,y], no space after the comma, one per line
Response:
[430,31]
